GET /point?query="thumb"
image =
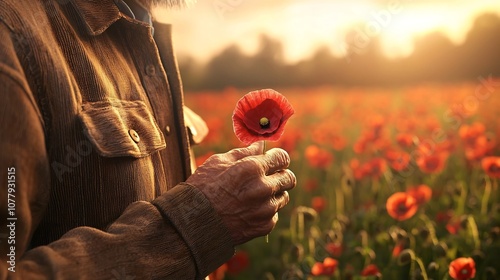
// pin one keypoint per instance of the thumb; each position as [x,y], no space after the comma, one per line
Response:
[255,148]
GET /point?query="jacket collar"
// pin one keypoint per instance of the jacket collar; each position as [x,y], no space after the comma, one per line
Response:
[97,15]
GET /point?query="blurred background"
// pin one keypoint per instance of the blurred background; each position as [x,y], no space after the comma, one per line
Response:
[261,43]
[397,96]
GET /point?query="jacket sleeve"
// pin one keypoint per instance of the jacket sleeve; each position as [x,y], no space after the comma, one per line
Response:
[176,236]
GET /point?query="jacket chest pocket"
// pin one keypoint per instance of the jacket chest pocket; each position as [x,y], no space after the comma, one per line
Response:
[120,128]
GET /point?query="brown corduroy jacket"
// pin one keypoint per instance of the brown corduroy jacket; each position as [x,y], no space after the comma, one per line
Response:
[94,147]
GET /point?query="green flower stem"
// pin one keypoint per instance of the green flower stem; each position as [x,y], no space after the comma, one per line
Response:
[422,268]
[430,227]
[301,225]
[339,200]
[347,196]
[418,261]
[264,152]
[474,231]
[486,196]
[461,200]
[364,238]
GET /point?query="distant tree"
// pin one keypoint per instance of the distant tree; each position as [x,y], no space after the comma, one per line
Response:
[435,58]
[480,53]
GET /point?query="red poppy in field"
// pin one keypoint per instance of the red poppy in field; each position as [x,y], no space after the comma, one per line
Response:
[377,167]
[481,147]
[398,160]
[422,193]
[289,140]
[433,163]
[317,157]
[469,133]
[261,115]
[401,206]
[444,216]
[318,203]
[491,165]
[327,267]
[335,249]
[239,262]
[219,273]
[310,185]
[453,226]
[405,140]
[398,249]
[462,269]
[370,270]
[373,168]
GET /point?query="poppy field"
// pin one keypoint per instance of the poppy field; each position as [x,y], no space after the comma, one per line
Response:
[399,183]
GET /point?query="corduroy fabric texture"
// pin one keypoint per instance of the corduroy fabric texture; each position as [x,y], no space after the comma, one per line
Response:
[92,120]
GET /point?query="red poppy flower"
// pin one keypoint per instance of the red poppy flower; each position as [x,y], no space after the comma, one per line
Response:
[398,160]
[311,185]
[401,206]
[405,140]
[462,269]
[318,203]
[469,133]
[219,273]
[317,157]
[327,267]
[239,262]
[453,226]
[432,163]
[370,270]
[335,249]
[261,115]
[398,249]
[421,193]
[491,165]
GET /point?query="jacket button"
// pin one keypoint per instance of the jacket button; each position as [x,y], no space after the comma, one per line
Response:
[134,135]
[167,130]
[150,70]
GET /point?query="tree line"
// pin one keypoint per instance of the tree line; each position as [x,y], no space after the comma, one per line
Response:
[435,59]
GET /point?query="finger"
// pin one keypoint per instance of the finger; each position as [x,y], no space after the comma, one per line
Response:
[282,200]
[275,159]
[255,148]
[281,181]
[271,224]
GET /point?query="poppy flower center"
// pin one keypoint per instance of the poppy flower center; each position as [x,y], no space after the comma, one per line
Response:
[464,271]
[494,168]
[264,122]
[402,208]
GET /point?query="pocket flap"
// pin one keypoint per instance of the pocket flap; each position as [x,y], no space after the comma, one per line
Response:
[197,127]
[121,128]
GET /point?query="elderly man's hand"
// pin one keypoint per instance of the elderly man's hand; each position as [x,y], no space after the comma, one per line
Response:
[246,188]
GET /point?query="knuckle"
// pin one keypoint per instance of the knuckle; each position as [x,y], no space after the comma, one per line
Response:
[282,157]
[291,177]
[252,165]
[216,158]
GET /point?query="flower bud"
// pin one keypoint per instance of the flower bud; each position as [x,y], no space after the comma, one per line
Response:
[440,249]
[490,272]
[417,274]
[405,257]
[478,255]
[297,252]
[433,267]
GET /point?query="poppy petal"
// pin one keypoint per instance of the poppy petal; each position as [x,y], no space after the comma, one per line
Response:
[256,106]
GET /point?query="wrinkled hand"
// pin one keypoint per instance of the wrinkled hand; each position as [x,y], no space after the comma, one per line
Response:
[246,188]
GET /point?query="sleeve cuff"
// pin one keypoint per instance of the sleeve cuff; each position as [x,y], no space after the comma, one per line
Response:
[199,225]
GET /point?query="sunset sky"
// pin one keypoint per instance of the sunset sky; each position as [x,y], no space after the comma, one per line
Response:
[209,26]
